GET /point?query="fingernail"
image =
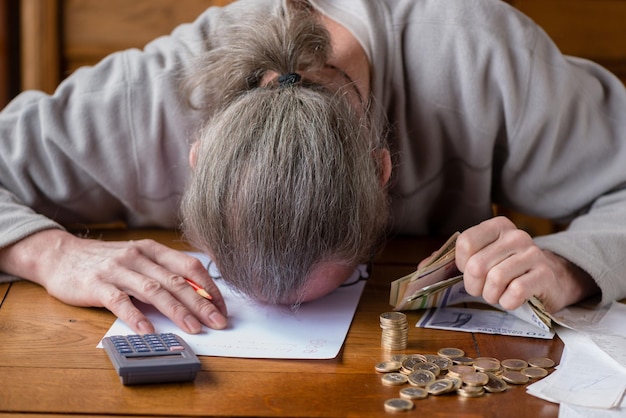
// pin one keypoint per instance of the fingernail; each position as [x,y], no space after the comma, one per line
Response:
[144,327]
[193,325]
[217,320]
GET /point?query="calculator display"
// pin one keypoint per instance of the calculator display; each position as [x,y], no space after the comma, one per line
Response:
[151,358]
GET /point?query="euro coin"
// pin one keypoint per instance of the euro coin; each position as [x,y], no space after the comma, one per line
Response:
[513,364]
[514,377]
[451,352]
[534,372]
[398,405]
[475,379]
[471,391]
[421,378]
[543,362]
[439,387]
[412,393]
[460,370]
[394,379]
[495,384]
[486,364]
[388,366]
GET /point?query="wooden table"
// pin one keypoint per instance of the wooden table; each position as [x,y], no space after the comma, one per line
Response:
[50,366]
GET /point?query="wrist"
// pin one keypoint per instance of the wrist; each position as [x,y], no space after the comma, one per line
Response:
[28,257]
[574,283]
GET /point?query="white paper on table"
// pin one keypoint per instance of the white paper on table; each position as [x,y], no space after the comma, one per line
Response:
[485,321]
[315,330]
[572,411]
[586,376]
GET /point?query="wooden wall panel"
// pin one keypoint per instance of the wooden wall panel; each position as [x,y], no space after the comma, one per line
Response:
[40,44]
[94,28]
[9,51]
[4,54]
[593,29]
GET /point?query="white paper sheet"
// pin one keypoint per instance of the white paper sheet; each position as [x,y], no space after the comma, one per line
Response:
[586,377]
[315,330]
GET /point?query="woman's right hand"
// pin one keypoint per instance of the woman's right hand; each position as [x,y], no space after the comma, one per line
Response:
[87,272]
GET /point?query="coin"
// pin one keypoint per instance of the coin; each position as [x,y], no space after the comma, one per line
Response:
[475,379]
[388,366]
[513,364]
[459,370]
[471,391]
[439,387]
[413,393]
[394,379]
[456,381]
[444,363]
[398,405]
[495,384]
[392,317]
[514,377]
[428,366]
[464,361]
[487,364]
[421,378]
[408,365]
[534,372]
[451,352]
[543,362]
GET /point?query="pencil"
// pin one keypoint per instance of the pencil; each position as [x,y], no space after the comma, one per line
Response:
[199,290]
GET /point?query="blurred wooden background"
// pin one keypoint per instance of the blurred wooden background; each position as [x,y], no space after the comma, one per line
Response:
[42,41]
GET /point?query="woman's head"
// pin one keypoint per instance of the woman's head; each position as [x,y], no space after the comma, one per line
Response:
[286,193]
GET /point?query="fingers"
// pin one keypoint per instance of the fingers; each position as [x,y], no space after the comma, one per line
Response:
[155,274]
[500,263]
[120,304]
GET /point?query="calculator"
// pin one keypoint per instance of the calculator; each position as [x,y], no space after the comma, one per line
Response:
[151,358]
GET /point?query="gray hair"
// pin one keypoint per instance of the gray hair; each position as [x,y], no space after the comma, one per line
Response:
[286,178]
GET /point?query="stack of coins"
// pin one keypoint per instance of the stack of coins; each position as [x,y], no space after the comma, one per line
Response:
[395,334]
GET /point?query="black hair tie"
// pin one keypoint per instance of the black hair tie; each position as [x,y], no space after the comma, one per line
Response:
[290,79]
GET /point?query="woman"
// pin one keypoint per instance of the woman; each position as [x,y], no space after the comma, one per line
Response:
[294,112]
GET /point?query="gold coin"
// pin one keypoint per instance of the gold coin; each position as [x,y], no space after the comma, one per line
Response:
[451,352]
[543,362]
[513,364]
[439,387]
[495,384]
[514,377]
[534,372]
[475,379]
[421,378]
[398,405]
[388,366]
[394,379]
[413,393]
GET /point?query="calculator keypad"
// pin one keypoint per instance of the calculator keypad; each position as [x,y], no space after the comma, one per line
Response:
[145,344]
